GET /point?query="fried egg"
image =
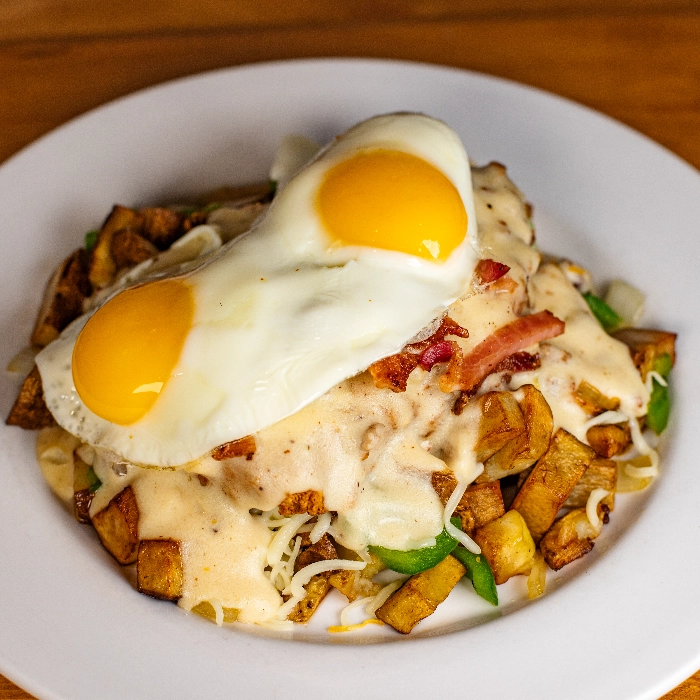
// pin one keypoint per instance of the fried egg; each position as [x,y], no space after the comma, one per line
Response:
[368,244]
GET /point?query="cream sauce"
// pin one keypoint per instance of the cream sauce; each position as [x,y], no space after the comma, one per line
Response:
[371,452]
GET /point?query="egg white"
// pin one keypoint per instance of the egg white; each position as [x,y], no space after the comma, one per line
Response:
[282,314]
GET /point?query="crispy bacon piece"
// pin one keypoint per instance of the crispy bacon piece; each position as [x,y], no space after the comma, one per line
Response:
[519,362]
[465,373]
[392,372]
[243,447]
[488,271]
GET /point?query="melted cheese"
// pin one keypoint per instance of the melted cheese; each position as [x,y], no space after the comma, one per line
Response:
[371,452]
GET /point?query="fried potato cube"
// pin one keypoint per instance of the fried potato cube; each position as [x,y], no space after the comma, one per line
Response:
[316,590]
[310,502]
[323,550]
[537,579]
[29,410]
[161,226]
[523,451]
[501,421]
[601,474]
[569,538]
[609,440]
[159,569]
[551,481]
[206,609]
[646,345]
[592,401]
[507,545]
[102,265]
[480,504]
[356,584]
[420,595]
[64,295]
[129,248]
[118,526]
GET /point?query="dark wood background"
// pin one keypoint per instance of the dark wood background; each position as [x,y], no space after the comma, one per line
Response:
[635,60]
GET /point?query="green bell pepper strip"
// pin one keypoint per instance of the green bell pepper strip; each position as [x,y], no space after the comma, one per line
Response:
[93,480]
[659,406]
[608,318]
[479,573]
[91,239]
[416,560]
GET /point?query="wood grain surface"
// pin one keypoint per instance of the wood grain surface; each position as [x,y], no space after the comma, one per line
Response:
[635,60]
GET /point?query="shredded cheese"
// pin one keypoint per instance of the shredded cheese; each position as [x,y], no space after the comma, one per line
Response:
[320,528]
[352,628]
[378,600]
[651,377]
[596,496]
[607,418]
[450,506]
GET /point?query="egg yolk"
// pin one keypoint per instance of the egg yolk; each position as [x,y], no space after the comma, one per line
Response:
[128,349]
[388,199]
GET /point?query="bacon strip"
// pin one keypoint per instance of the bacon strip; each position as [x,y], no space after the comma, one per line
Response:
[392,372]
[466,373]
[488,271]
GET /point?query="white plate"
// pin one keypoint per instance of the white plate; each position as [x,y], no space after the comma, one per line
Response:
[625,620]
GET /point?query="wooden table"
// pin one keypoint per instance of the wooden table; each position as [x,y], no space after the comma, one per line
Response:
[635,60]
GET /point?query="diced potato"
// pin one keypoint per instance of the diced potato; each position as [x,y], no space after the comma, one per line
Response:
[161,226]
[551,481]
[29,410]
[480,504]
[129,248]
[609,440]
[118,526]
[159,569]
[310,502]
[323,550]
[206,609]
[316,590]
[627,483]
[102,265]
[356,584]
[537,580]
[63,298]
[646,345]
[420,595]
[569,538]
[501,421]
[592,401]
[601,474]
[507,545]
[522,452]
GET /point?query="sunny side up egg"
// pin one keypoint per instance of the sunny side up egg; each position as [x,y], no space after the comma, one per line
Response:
[364,247]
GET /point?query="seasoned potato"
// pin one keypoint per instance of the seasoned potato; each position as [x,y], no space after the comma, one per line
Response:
[102,265]
[551,481]
[523,451]
[323,550]
[507,545]
[569,538]
[63,298]
[480,504]
[646,345]
[501,421]
[601,474]
[310,502]
[118,526]
[160,226]
[420,595]
[159,569]
[609,440]
[29,410]
[592,401]
[537,579]
[316,590]
[128,248]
